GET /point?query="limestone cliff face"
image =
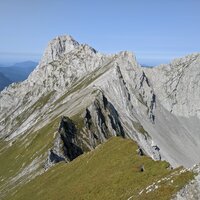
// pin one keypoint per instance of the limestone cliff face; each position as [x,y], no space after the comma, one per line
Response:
[57,48]
[177,85]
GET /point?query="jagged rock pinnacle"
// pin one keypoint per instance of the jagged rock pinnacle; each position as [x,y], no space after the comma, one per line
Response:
[57,47]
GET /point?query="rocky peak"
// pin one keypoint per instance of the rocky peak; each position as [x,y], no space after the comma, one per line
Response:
[177,85]
[128,56]
[185,60]
[57,47]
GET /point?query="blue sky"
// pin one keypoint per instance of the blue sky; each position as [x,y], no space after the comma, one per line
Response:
[155,30]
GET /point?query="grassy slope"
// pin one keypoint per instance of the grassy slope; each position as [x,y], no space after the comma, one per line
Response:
[15,158]
[23,151]
[112,171]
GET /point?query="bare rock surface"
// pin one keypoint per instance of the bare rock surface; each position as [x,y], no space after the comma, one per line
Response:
[192,190]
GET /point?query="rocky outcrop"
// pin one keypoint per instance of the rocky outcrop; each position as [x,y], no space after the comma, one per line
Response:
[104,120]
[57,48]
[192,190]
[177,85]
[68,135]
[100,121]
[66,145]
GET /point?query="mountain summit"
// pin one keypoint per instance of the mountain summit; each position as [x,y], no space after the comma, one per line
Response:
[78,98]
[58,47]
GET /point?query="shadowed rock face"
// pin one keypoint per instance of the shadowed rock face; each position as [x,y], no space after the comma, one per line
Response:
[68,134]
[66,146]
[54,158]
[114,119]
[103,115]
[100,121]
[87,119]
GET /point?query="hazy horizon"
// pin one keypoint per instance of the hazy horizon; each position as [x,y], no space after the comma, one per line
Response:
[9,60]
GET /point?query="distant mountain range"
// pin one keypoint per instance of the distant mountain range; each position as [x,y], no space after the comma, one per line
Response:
[15,73]
[144,65]
[4,81]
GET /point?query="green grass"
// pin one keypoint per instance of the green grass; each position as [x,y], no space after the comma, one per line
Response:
[78,120]
[24,150]
[111,171]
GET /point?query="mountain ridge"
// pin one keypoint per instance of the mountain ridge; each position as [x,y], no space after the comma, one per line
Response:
[60,80]
[80,98]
